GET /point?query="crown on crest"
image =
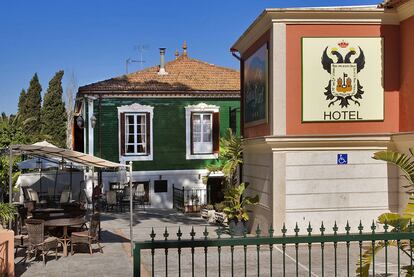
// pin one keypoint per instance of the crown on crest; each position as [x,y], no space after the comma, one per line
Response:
[343,44]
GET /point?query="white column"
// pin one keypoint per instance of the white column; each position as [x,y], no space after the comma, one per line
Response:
[277,91]
[90,129]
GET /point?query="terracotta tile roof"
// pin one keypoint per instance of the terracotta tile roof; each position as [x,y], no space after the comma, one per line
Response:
[184,74]
[389,4]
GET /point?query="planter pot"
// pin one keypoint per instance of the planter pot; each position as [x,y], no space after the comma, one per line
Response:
[204,213]
[237,227]
[208,215]
[6,253]
[191,209]
[220,218]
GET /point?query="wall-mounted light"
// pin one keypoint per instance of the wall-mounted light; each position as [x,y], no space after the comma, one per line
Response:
[80,122]
[93,120]
[160,177]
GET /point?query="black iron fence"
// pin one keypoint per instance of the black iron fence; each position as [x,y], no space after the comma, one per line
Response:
[311,254]
[189,199]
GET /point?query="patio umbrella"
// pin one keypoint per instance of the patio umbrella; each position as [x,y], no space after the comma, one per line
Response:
[40,164]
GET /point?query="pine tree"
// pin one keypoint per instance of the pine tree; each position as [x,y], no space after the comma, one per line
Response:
[54,113]
[22,107]
[33,107]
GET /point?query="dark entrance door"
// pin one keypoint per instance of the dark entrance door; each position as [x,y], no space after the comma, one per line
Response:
[215,189]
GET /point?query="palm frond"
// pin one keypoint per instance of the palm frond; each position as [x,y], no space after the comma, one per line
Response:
[362,270]
[403,161]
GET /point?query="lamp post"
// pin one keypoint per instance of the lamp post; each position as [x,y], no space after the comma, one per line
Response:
[80,122]
[93,120]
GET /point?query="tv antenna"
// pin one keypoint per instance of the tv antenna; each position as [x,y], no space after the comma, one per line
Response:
[140,48]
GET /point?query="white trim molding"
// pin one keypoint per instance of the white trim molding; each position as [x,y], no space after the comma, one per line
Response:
[136,108]
[91,145]
[201,107]
[278,79]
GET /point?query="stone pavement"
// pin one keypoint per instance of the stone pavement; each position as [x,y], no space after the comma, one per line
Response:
[116,260]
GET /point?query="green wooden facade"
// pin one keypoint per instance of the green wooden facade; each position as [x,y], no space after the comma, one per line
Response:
[169,130]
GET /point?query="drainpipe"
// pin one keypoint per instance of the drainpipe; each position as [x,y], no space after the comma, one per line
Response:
[238,57]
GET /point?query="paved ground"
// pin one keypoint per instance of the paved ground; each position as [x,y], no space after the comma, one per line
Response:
[115,261]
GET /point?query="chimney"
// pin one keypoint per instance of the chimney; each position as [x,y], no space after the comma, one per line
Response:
[162,62]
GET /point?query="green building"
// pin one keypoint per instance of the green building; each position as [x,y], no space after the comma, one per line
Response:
[166,119]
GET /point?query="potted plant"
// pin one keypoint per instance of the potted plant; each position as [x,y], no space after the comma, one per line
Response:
[7,212]
[195,200]
[219,216]
[236,204]
[207,212]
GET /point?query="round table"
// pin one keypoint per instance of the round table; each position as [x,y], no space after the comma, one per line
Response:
[46,213]
[65,223]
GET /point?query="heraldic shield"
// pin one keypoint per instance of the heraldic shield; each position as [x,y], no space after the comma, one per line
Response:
[344,86]
[343,79]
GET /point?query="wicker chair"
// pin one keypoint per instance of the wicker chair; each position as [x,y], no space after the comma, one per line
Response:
[37,241]
[87,237]
[111,200]
[65,197]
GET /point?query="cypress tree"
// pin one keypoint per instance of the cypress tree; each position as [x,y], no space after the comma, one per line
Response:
[22,107]
[54,113]
[33,106]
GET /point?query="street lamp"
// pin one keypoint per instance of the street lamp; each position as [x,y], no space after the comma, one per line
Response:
[93,120]
[80,122]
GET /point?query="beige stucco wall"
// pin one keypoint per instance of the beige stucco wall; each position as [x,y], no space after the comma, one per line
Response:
[303,183]
[258,172]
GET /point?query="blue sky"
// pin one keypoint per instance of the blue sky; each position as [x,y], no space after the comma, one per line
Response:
[92,39]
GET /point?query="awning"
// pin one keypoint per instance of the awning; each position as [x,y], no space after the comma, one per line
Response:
[38,163]
[49,150]
[74,156]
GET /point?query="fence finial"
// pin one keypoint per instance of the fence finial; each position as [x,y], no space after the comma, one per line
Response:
[322,229]
[284,230]
[179,233]
[347,227]
[152,235]
[296,229]
[271,230]
[373,227]
[335,228]
[166,234]
[205,233]
[309,229]
[360,227]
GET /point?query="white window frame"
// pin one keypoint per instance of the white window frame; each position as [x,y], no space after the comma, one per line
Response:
[135,108]
[202,143]
[135,144]
[199,108]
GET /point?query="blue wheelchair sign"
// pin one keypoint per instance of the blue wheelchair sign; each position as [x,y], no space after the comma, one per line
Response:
[342,159]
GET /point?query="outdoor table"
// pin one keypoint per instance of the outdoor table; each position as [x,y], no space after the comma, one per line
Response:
[65,223]
[45,213]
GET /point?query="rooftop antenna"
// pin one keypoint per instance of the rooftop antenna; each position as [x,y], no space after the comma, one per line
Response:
[128,61]
[141,48]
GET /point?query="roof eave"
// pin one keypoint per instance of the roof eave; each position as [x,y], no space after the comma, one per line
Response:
[321,15]
[161,94]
